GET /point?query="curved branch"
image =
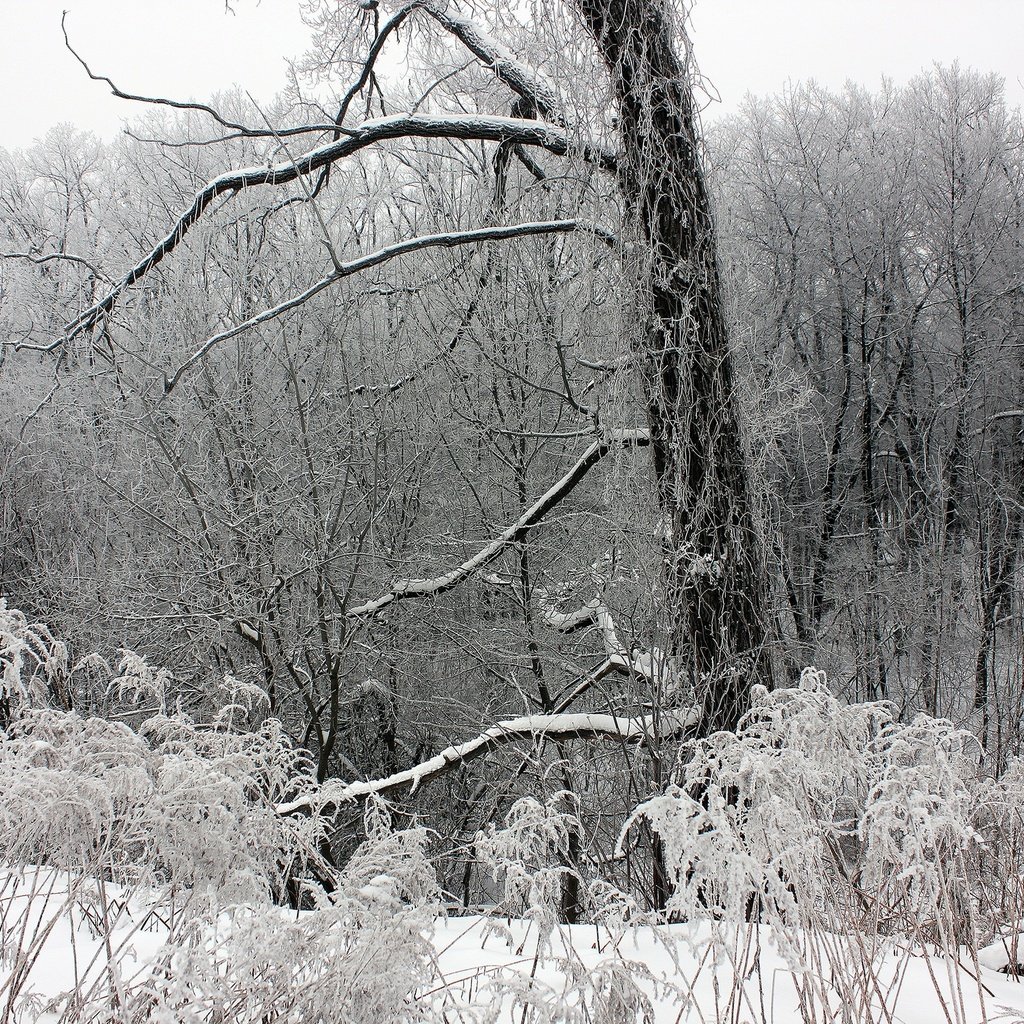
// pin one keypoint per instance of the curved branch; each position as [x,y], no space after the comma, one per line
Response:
[402,590]
[644,728]
[482,128]
[447,239]
[241,130]
[651,665]
[51,257]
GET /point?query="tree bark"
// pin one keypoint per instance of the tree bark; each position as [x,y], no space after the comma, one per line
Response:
[715,569]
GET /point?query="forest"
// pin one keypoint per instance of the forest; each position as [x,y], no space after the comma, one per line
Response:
[478,545]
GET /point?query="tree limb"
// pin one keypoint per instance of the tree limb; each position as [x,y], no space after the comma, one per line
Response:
[480,128]
[488,51]
[446,239]
[644,728]
[408,588]
[51,257]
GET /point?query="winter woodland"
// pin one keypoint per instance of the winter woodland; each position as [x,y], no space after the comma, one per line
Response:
[477,545]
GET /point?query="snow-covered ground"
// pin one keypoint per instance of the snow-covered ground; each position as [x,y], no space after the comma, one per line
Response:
[79,951]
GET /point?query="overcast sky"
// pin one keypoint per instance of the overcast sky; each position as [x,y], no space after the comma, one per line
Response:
[191,48]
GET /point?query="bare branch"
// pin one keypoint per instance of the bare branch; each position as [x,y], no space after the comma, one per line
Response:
[56,256]
[998,417]
[241,130]
[403,589]
[447,239]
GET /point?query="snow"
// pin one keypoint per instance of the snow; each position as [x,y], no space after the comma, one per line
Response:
[567,621]
[999,955]
[63,949]
[487,968]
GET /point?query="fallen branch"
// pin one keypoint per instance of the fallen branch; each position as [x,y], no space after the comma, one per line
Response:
[642,729]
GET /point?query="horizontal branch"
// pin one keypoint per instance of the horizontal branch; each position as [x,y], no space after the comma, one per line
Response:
[445,239]
[645,728]
[479,128]
[567,622]
[408,588]
[998,417]
[55,256]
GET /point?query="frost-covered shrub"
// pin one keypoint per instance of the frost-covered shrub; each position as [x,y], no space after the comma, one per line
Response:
[531,852]
[137,680]
[31,659]
[816,811]
[363,956]
[999,819]
[173,803]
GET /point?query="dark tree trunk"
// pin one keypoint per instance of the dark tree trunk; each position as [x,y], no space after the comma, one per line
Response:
[715,571]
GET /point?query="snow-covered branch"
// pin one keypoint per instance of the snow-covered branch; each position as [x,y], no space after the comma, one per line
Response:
[650,665]
[482,128]
[644,728]
[522,80]
[445,239]
[567,622]
[407,588]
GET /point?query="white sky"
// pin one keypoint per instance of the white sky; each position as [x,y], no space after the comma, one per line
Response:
[192,48]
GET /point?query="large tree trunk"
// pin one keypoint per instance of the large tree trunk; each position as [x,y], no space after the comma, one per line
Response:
[715,572]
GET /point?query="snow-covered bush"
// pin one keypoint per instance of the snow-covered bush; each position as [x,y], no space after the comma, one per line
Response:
[818,810]
[172,803]
[31,660]
[999,819]
[363,956]
[531,855]
[848,840]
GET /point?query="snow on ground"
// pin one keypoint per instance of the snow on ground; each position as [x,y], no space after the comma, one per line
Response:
[685,981]
[55,943]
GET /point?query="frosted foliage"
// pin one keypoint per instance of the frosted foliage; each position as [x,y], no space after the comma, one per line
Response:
[30,657]
[175,803]
[815,808]
[136,680]
[999,819]
[527,854]
[360,958]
